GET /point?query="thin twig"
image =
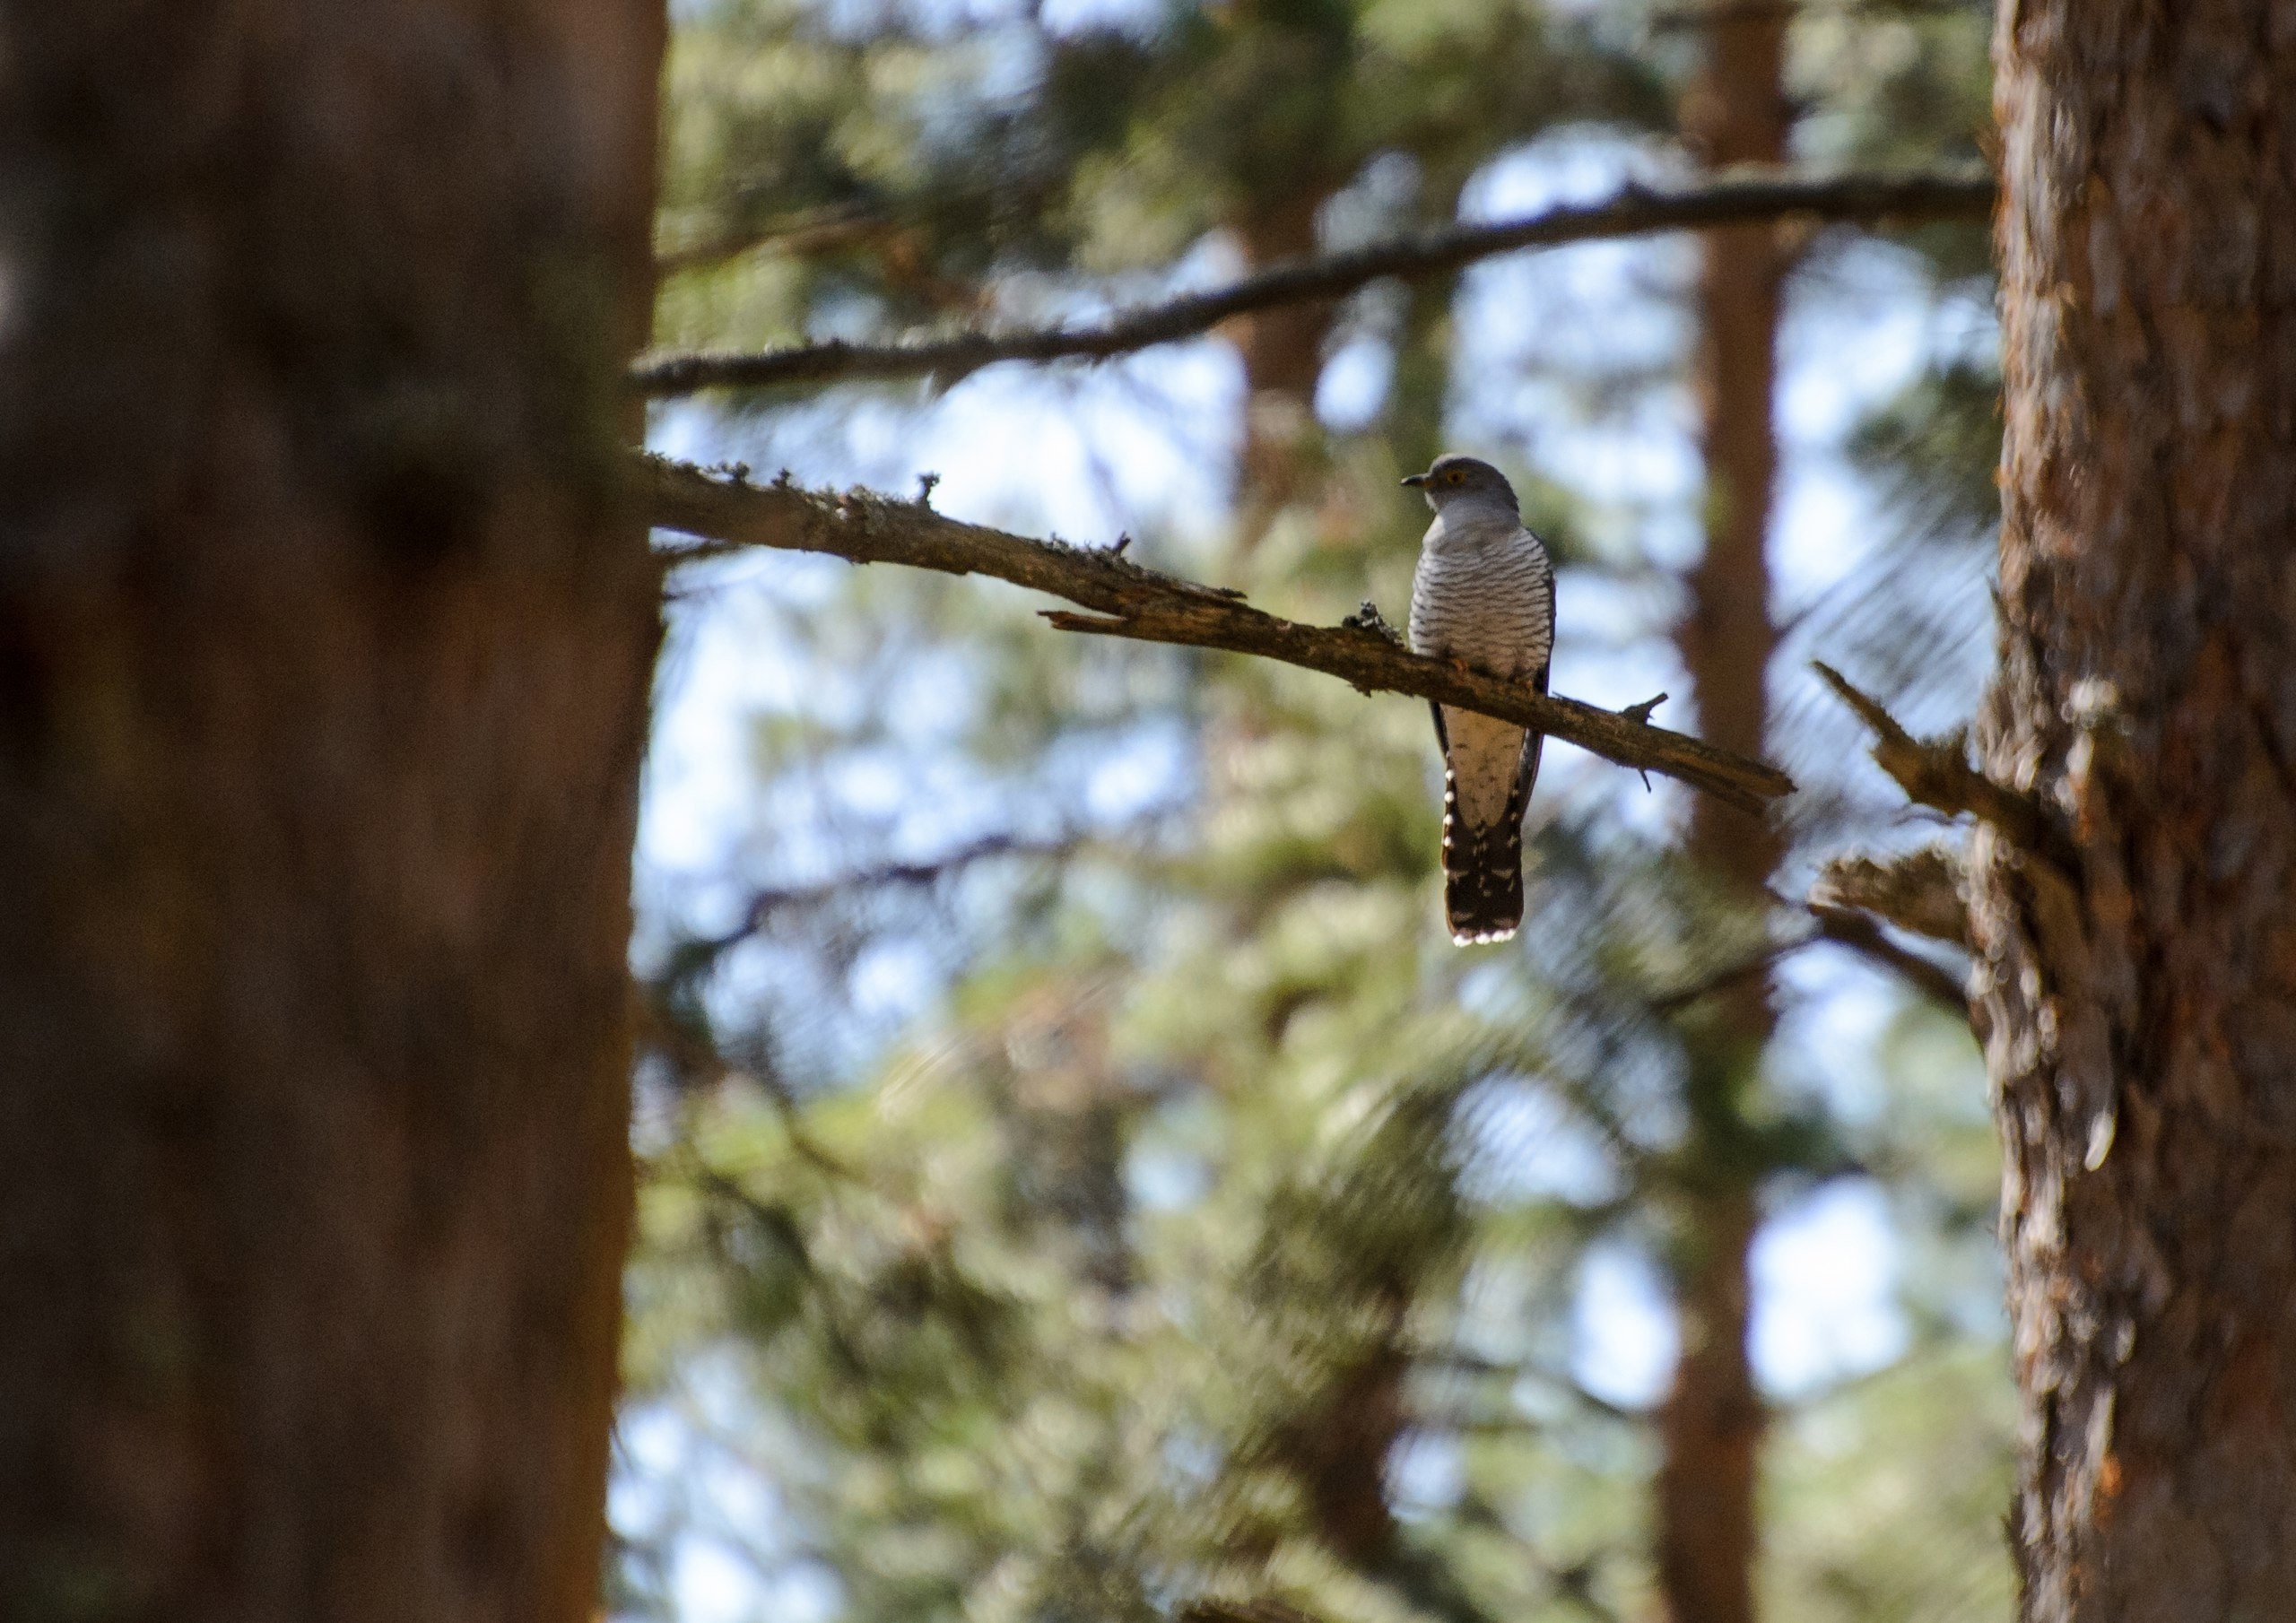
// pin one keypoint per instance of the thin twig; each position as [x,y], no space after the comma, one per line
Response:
[1637,211]
[1714,15]
[764,905]
[811,231]
[1130,601]
[1844,926]
[1847,927]
[1737,972]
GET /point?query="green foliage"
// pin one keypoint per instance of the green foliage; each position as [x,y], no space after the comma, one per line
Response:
[1937,447]
[813,169]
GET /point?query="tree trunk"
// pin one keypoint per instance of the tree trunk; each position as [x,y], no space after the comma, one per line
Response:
[1710,1425]
[2139,992]
[1283,353]
[325,633]
[1338,1447]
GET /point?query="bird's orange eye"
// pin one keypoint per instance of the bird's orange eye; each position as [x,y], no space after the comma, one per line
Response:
[1454,476]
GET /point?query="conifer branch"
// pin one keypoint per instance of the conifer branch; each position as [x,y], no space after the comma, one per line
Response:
[1124,599]
[1937,773]
[1919,891]
[1735,199]
[1847,928]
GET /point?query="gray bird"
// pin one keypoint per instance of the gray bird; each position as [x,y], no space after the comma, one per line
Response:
[1484,597]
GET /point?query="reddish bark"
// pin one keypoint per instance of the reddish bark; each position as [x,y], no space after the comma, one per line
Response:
[326,630]
[1339,1449]
[2137,992]
[1710,1426]
[1283,351]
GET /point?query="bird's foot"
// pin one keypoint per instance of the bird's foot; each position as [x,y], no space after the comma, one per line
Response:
[1368,618]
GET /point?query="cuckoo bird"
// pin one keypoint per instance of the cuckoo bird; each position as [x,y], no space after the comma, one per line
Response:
[1482,597]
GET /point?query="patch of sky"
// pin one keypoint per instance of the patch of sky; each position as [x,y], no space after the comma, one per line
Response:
[1426,1474]
[1521,1142]
[1835,1010]
[1825,1281]
[1168,1164]
[1136,17]
[1192,1457]
[1160,1177]
[1373,207]
[734,1553]
[1624,1334]
[1137,779]
[1354,385]
[892,981]
[1824,1272]
[1852,338]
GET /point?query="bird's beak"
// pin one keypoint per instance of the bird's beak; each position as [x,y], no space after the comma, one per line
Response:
[1416,480]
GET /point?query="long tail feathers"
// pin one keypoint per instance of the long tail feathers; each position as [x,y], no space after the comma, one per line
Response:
[1483,877]
[1483,866]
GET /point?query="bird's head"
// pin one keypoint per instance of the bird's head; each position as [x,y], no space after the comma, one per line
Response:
[1464,478]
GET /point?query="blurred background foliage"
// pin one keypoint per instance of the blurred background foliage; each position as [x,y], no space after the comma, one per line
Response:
[1079,1176]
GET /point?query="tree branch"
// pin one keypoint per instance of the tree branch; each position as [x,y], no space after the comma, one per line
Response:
[1847,927]
[1937,774]
[764,905]
[1919,891]
[1127,600]
[1638,211]
[812,231]
[1715,16]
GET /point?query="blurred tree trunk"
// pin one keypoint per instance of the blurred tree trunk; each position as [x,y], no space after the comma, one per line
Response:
[1711,1423]
[326,635]
[1338,1447]
[1283,351]
[2139,992]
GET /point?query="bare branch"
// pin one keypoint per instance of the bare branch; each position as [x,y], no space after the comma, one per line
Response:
[763,905]
[1715,16]
[1127,600]
[1937,774]
[1847,927]
[1733,973]
[1835,918]
[812,231]
[1921,891]
[1217,1609]
[1737,199]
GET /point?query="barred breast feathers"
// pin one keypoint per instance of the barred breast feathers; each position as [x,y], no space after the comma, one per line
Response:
[1484,592]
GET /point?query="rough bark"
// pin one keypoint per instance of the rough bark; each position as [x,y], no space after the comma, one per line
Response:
[2143,1001]
[1710,1425]
[326,627]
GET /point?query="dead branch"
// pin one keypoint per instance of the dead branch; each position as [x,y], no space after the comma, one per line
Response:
[1714,15]
[811,231]
[1921,891]
[1735,973]
[1638,211]
[1127,600]
[1215,1609]
[764,906]
[1937,773]
[1847,928]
